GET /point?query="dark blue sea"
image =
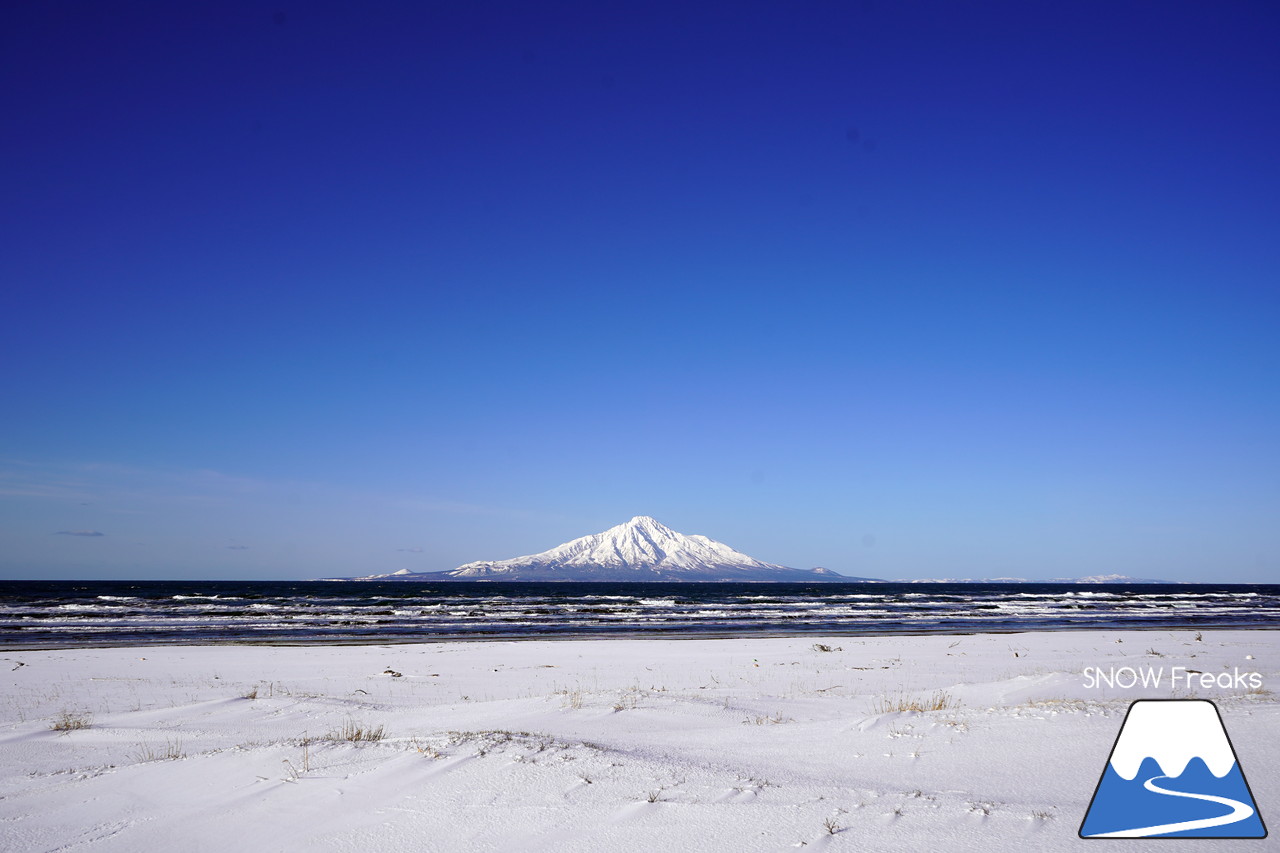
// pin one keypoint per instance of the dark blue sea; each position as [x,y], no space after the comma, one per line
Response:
[48,614]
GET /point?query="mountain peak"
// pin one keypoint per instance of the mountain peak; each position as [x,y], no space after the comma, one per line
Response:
[641,523]
[642,549]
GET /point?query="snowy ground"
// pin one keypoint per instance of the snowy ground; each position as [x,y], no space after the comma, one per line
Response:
[600,745]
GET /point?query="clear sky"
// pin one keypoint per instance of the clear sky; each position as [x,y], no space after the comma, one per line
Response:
[900,289]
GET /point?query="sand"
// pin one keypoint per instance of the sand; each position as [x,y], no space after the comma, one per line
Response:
[975,742]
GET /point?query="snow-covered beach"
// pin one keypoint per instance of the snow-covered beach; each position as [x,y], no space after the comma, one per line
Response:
[946,742]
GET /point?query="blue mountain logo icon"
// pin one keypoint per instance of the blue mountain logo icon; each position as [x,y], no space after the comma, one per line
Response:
[1172,774]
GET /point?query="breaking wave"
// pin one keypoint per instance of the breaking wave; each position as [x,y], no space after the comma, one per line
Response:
[93,613]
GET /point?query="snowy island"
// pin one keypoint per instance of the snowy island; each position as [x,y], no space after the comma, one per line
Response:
[646,550]
[642,549]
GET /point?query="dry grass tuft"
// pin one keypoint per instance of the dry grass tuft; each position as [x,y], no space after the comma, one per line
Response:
[941,700]
[629,700]
[69,722]
[354,732]
[171,751]
[572,698]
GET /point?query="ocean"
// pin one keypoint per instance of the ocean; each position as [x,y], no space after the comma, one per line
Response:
[53,614]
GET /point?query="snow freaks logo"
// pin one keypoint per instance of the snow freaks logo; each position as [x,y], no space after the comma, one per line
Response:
[1150,678]
[1172,773]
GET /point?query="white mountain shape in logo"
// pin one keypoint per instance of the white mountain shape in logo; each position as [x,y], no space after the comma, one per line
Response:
[1172,733]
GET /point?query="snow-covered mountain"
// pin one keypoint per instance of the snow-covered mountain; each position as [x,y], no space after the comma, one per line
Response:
[1109,579]
[643,549]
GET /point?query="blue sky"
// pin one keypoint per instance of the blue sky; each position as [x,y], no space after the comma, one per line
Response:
[900,289]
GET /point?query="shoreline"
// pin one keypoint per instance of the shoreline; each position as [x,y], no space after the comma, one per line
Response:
[649,636]
[973,742]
